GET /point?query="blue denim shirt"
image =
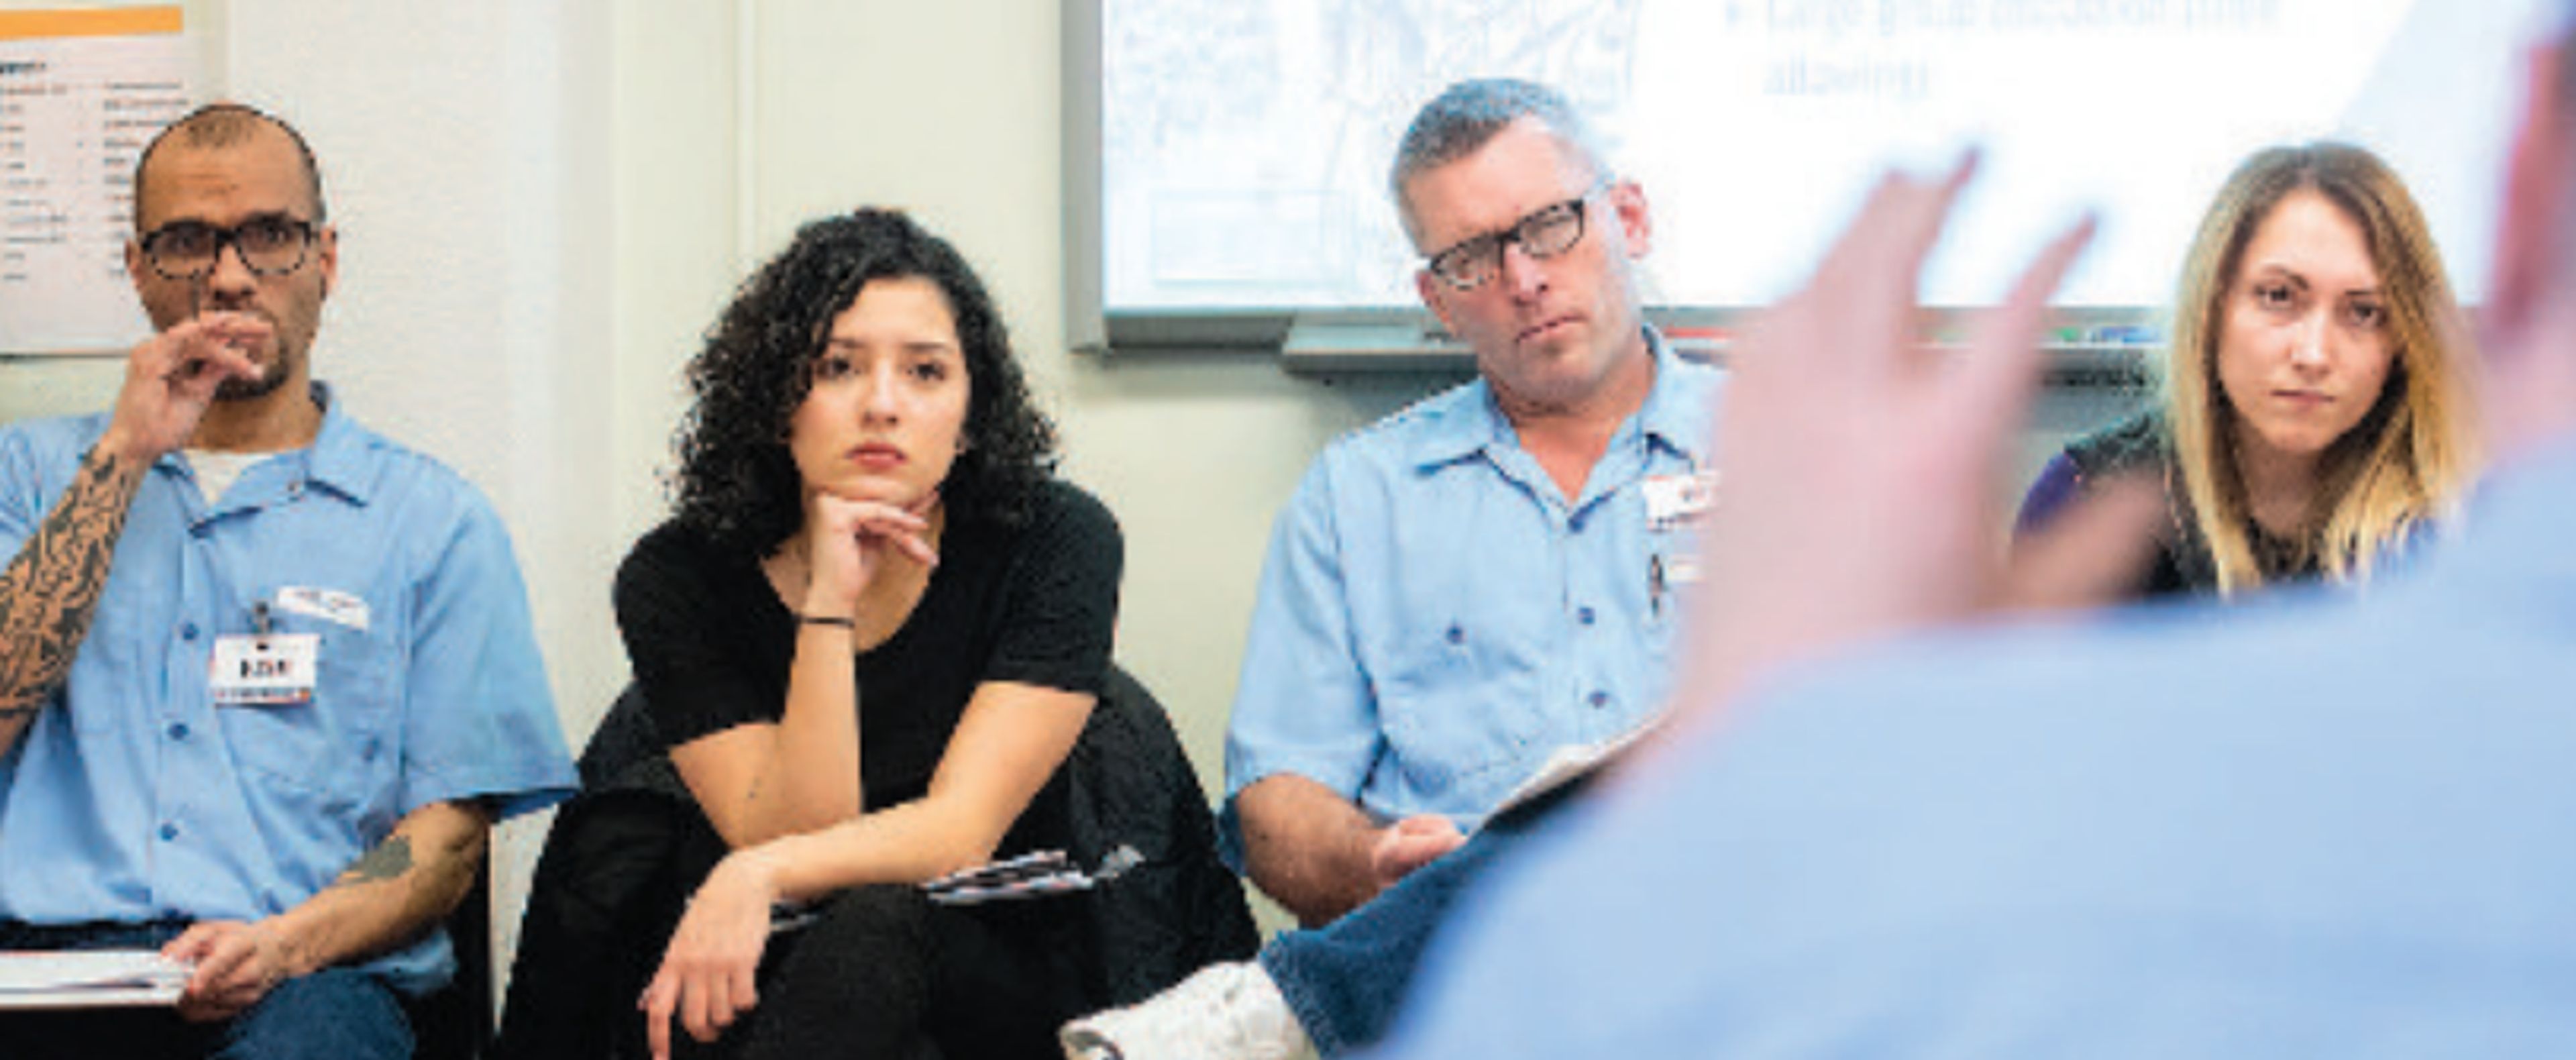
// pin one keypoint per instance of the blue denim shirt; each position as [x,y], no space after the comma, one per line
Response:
[1435,617]
[134,797]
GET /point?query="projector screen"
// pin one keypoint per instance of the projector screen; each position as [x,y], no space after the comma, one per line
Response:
[1245,143]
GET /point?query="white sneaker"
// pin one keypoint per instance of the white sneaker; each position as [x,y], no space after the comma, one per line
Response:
[1224,1012]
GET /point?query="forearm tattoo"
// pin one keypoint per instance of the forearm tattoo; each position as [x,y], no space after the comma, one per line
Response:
[49,593]
[389,859]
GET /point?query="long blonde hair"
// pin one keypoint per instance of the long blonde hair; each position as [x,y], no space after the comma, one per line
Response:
[2412,455]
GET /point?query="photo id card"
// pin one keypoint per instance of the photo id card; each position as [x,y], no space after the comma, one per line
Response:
[265,671]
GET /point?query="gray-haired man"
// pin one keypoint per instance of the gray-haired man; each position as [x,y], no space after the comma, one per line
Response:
[1455,593]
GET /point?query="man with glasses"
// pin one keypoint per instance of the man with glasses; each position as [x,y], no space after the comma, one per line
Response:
[1454,594]
[266,678]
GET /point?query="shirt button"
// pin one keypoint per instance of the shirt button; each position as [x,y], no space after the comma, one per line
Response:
[1583,615]
[1599,698]
[169,831]
[178,730]
[201,531]
[1457,635]
[295,488]
[188,631]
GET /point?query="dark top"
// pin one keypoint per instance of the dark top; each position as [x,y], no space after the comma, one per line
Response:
[710,641]
[2140,445]
[622,859]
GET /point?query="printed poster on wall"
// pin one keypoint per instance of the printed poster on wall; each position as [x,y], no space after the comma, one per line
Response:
[82,90]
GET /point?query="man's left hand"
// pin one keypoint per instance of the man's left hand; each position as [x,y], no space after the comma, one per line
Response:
[236,964]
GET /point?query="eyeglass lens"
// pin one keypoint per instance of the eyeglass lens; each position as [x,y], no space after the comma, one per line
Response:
[1546,233]
[186,250]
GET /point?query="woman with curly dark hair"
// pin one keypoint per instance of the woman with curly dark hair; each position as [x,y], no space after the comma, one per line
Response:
[871,633]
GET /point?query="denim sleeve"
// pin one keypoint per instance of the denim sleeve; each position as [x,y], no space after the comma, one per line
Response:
[1303,704]
[479,718]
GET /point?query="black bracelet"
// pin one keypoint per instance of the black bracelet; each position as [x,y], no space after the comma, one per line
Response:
[829,620]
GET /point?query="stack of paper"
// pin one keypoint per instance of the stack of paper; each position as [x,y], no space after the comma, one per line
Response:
[89,979]
[1570,762]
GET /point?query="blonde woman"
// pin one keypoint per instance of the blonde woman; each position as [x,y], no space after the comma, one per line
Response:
[2313,417]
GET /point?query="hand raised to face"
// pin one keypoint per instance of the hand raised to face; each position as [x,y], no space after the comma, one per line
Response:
[846,545]
[171,378]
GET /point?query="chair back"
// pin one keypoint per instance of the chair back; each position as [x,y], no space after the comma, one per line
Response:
[1130,783]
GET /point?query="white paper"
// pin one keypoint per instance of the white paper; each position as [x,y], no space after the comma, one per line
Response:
[1567,763]
[89,979]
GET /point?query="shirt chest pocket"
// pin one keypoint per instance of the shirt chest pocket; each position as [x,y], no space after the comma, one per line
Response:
[334,751]
[1460,701]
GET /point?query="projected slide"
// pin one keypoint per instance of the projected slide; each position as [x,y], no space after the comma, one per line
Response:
[1246,141]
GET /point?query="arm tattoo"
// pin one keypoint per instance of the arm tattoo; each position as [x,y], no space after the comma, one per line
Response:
[49,593]
[389,859]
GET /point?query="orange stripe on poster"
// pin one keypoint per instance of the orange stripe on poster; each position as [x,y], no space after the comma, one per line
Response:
[89,22]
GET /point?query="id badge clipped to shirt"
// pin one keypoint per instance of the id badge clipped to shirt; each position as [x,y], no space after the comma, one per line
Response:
[254,670]
[1677,501]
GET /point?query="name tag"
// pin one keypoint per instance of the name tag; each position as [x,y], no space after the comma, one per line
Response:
[1678,500]
[1667,575]
[273,670]
[329,605]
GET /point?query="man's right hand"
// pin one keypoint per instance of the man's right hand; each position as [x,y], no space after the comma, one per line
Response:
[170,380]
[1316,853]
[1410,844]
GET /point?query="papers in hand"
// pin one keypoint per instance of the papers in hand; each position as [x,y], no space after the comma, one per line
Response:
[89,979]
[1569,762]
[1027,876]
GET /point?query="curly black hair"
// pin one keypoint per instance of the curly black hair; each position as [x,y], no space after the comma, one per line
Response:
[737,482]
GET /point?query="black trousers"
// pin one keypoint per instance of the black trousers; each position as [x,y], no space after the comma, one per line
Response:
[883,972]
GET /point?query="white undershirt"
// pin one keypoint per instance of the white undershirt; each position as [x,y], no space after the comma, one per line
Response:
[216,472]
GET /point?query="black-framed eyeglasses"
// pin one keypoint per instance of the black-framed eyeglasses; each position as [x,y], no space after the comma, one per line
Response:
[1546,233]
[270,245]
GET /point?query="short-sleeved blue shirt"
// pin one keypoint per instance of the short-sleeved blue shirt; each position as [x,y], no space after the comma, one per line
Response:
[134,797]
[1435,617]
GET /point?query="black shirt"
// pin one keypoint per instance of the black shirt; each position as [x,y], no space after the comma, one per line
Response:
[2141,445]
[710,642]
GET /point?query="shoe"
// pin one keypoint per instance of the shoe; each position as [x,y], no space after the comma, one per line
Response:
[1226,1011]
